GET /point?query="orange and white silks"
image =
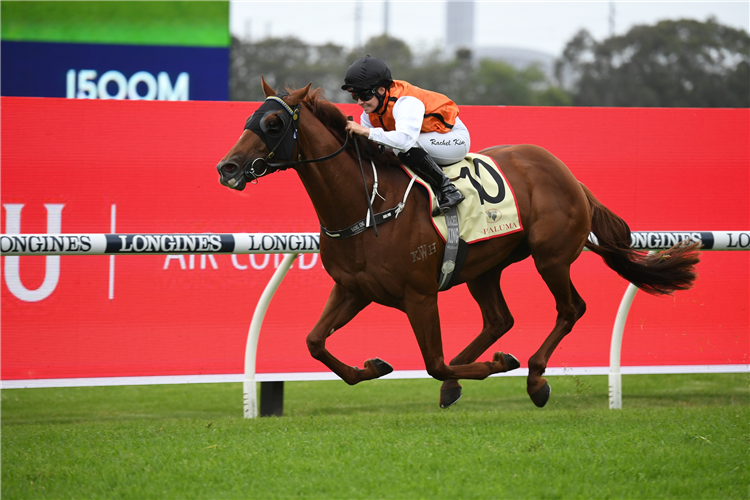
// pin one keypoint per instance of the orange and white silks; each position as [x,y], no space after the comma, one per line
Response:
[440,111]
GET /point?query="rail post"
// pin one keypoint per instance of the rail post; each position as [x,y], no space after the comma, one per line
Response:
[250,393]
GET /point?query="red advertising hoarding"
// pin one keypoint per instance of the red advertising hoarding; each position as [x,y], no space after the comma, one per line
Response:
[80,166]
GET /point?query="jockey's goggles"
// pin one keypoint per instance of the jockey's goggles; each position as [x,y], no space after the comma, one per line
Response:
[365,95]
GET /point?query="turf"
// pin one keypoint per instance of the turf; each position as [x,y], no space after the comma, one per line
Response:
[678,436]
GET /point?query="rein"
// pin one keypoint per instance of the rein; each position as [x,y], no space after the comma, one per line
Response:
[371,212]
[287,164]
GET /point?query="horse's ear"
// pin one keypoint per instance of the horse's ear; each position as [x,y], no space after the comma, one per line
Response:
[266,88]
[297,96]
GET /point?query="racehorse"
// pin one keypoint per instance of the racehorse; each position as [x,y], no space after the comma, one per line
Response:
[301,130]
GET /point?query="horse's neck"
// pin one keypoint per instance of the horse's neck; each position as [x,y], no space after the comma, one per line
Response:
[335,186]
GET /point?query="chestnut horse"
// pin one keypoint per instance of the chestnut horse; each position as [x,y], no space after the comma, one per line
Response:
[303,131]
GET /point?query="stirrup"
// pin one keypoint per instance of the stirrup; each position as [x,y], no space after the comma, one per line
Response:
[447,204]
[440,210]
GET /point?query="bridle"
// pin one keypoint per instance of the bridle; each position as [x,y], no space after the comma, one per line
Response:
[287,138]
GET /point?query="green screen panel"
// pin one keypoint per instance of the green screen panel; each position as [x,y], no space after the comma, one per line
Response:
[195,24]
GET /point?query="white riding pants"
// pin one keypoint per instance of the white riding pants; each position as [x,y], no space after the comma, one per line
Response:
[449,147]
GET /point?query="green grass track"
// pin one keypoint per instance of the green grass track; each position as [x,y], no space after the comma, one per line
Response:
[678,436]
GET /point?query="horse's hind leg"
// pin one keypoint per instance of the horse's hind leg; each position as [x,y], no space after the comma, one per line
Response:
[570,307]
[341,307]
[496,319]
[422,311]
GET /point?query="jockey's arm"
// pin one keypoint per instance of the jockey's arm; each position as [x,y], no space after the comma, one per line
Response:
[408,113]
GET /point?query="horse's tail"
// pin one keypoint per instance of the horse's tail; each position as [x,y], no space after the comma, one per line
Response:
[657,274]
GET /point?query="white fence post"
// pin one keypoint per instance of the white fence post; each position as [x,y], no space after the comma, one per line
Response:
[250,392]
[615,377]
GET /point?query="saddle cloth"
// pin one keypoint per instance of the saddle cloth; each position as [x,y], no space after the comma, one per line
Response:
[490,207]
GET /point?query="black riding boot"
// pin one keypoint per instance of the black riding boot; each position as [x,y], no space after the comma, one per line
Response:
[448,196]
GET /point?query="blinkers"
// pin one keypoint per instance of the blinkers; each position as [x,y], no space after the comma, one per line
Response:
[283,138]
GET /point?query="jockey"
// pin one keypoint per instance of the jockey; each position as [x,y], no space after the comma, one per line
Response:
[421,126]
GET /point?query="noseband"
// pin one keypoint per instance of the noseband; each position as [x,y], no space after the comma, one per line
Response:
[285,140]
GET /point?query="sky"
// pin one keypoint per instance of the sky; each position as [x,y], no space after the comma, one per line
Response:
[543,26]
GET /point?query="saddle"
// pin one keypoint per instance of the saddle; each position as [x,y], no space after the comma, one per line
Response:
[490,208]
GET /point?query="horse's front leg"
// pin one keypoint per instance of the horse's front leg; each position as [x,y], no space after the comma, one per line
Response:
[424,318]
[497,320]
[341,307]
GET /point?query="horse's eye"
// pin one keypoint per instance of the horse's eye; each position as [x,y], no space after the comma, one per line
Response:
[273,123]
[274,126]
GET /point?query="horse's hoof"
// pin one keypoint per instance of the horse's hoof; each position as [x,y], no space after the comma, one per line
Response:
[510,361]
[380,366]
[450,396]
[541,396]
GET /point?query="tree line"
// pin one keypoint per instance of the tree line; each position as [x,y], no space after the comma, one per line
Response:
[681,63]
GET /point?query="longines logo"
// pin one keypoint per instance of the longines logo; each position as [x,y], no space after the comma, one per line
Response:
[45,244]
[161,243]
[649,240]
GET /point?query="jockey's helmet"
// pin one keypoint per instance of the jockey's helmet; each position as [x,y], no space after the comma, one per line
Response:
[367,73]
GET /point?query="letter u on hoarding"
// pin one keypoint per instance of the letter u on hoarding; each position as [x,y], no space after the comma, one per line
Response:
[52,262]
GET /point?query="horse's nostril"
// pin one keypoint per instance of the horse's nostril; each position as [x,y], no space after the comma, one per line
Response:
[229,168]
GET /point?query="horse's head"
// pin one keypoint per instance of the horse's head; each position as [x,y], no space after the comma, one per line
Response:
[269,136]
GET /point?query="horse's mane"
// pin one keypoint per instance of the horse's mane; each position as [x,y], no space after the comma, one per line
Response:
[335,121]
